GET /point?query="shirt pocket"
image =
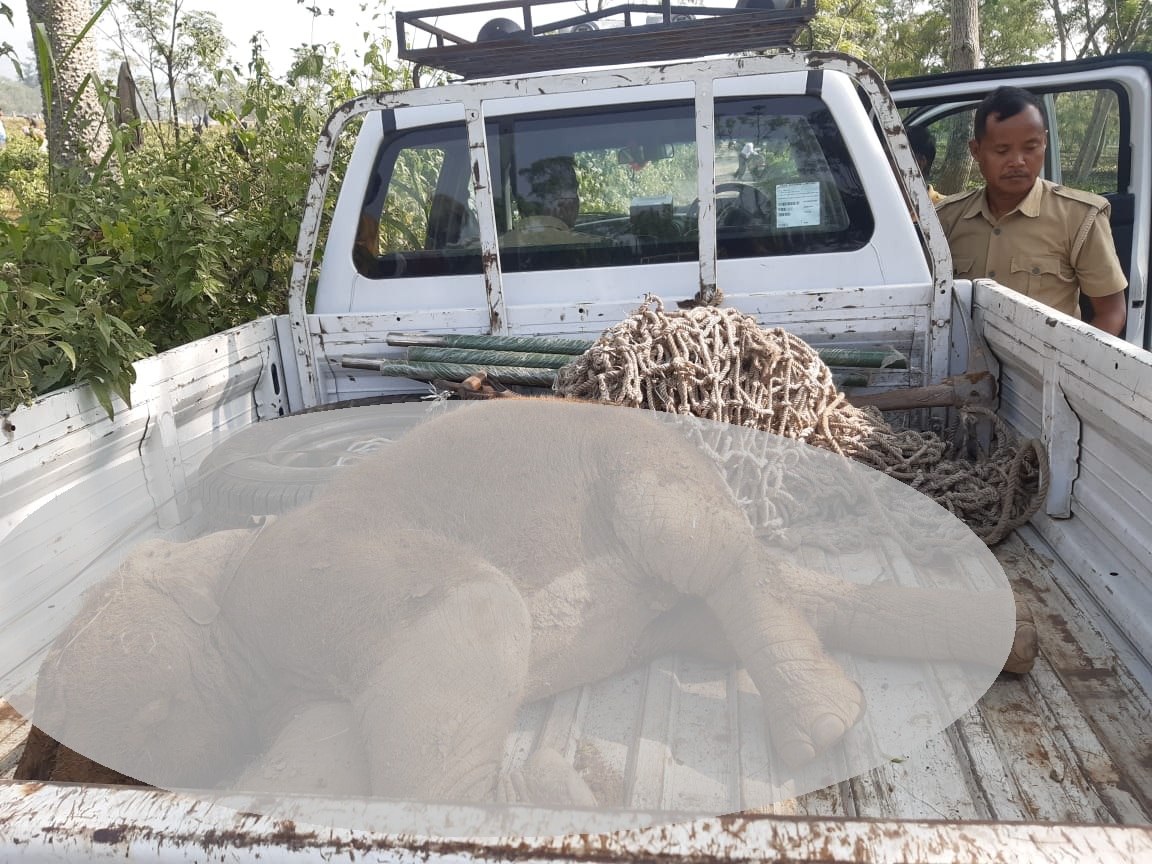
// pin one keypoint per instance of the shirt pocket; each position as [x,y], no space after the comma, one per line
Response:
[1050,280]
[962,268]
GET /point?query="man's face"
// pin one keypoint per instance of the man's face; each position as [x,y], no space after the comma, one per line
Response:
[1011,153]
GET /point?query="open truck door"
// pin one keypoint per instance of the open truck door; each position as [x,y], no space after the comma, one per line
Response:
[1099,117]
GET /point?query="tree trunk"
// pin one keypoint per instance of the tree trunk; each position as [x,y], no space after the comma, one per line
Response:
[87,135]
[965,35]
[170,59]
[965,54]
[1093,142]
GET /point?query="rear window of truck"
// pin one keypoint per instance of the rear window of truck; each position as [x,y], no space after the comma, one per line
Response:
[614,186]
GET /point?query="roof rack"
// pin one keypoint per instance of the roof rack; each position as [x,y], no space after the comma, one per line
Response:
[625,33]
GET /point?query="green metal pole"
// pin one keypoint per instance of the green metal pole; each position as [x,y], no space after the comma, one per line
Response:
[838,357]
[481,342]
[524,376]
[489,358]
[891,359]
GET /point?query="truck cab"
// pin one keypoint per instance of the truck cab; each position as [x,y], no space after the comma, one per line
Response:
[429,215]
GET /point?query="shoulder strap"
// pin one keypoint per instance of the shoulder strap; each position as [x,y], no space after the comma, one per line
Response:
[1082,234]
[951,208]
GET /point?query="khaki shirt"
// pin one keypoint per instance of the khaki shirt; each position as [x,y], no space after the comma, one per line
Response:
[545,231]
[1055,244]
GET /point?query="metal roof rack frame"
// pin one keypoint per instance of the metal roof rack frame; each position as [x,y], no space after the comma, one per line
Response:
[619,34]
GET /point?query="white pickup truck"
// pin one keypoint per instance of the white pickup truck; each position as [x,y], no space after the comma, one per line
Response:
[830,234]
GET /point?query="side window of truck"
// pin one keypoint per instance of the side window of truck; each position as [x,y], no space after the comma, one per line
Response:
[1083,149]
[1088,123]
[785,182]
[419,213]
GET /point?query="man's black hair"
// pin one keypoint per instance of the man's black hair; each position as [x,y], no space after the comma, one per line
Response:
[923,146]
[1002,103]
[545,181]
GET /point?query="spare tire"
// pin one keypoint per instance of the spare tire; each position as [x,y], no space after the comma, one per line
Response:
[275,466]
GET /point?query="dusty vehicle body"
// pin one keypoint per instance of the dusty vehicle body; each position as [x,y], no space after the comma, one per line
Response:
[1055,765]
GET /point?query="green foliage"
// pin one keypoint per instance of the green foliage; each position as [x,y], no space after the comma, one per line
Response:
[55,333]
[1014,31]
[179,242]
[607,186]
[404,219]
[1092,28]
[178,49]
[6,49]
[902,39]
[23,169]
[850,26]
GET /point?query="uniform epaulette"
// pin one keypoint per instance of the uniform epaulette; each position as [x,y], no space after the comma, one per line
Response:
[1089,198]
[959,196]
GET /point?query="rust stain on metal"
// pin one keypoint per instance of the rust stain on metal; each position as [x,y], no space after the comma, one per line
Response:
[109,835]
[693,843]
[9,714]
[490,289]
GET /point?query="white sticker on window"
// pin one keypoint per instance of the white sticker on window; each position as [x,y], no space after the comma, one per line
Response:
[797,204]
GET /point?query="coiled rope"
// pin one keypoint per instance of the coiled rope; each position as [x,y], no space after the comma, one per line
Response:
[719,364]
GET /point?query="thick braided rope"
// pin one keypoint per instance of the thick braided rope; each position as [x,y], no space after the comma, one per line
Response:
[718,364]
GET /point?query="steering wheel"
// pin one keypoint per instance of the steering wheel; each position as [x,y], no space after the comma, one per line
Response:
[752,203]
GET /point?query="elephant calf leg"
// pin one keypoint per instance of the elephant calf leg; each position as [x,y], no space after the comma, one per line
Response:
[679,522]
[437,710]
[810,701]
[915,622]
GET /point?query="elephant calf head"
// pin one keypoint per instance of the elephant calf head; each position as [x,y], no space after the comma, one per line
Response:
[138,681]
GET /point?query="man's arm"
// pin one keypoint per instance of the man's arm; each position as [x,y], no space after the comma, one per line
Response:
[1100,274]
[1109,313]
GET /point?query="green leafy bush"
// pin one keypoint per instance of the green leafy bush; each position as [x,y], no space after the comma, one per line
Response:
[55,334]
[166,243]
[23,171]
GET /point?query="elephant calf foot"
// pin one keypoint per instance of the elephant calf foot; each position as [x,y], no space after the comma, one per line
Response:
[807,720]
[1025,644]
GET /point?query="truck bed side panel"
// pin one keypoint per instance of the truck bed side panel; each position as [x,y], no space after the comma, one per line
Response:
[1089,396]
[123,477]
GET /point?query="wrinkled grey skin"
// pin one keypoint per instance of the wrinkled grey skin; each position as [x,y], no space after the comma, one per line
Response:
[602,540]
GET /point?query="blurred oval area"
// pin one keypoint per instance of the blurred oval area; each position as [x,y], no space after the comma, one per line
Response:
[515,617]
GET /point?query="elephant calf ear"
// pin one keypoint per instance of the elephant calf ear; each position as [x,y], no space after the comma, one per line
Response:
[195,598]
[195,574]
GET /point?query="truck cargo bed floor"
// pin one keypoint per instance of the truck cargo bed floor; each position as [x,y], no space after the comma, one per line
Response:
[1066,743]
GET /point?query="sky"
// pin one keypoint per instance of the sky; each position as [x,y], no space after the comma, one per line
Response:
[286,23]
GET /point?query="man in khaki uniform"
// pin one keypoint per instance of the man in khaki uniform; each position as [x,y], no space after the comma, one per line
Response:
[1043,240]
[549,202]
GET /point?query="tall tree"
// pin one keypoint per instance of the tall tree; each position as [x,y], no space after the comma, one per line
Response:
[908,40]
[177,49]
[1091,28]
[75,119]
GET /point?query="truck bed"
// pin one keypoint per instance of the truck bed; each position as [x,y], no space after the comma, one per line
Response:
[1067,743]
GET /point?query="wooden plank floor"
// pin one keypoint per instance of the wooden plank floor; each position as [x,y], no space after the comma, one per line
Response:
[1070,742]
